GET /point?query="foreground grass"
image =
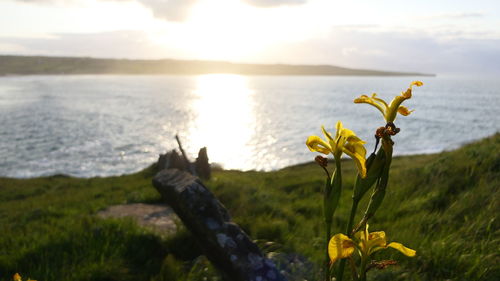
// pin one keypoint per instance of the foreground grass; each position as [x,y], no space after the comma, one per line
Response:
[445,206]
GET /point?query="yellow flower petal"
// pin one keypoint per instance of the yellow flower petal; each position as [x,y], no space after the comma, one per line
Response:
[357,152]
[381,101]
[355,139]
[406,94]
[406,251]
[403,110]
[395,105]
[346,133]
[16,277]
[359,235]
[416,83]
[339,247]
[376,241]
[339,141]
[345,141]
[377,238]
[371,101]
[362,99]
[327,135]
[339,127]
[315,143]
[390,111]
[357,147]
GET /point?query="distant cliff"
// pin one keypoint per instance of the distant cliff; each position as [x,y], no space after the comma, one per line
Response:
[32,65]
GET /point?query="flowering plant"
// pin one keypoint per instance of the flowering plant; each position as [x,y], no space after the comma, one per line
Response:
[17,277]
[373,171]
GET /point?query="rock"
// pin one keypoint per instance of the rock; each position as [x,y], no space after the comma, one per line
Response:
[201,165]
[225,244]
[171,160]
[157,217]
[294,266]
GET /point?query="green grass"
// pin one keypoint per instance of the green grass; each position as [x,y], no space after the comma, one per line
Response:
[445,206]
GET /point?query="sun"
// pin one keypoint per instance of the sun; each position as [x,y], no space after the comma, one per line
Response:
[235,31]
[224,30]
[224,119]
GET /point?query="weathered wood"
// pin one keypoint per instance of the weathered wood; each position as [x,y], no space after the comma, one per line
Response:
[184,155]
[225,244]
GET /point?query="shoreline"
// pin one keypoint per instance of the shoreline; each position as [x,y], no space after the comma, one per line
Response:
[218,166]
[33,65]
[209,73]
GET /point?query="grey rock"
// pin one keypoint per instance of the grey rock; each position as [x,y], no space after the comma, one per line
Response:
[171,160]
[202,166]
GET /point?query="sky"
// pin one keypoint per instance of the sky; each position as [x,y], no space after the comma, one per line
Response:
[432,36]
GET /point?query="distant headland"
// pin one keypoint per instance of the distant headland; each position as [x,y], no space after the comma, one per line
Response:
[39,65]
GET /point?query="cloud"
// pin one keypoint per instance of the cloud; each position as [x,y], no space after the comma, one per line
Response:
[45,2]
[397,51]
[172,10]
[274,3]
[10,48]
[38,1]
[461,15]
[455,16]
[114,44]
[391,50]
[356,26]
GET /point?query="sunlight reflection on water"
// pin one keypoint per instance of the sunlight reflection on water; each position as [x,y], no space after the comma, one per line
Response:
[225,120]
[101,125]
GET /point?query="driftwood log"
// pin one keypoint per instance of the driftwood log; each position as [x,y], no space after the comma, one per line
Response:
[225,244]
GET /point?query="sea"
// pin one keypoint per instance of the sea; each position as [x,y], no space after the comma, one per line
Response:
[104,125]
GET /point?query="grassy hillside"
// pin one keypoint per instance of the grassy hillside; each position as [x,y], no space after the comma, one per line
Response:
[29,65]
[445,206]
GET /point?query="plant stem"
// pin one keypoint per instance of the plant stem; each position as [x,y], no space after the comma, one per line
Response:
[331,200]
[363,268]
[327,260]
[354,207]
[340,273]
[354,272]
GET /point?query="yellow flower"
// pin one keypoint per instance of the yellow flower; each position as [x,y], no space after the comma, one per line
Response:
[345,141]
[16,277]
[341,246]
[390,111]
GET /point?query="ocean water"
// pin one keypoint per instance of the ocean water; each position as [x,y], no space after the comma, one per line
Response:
[110,125]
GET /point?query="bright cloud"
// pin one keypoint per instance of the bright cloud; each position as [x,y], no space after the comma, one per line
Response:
[172,10]
[115,44]
[274,3]
[426,36]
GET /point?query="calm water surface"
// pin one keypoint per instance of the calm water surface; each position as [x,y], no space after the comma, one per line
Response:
[109,125]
